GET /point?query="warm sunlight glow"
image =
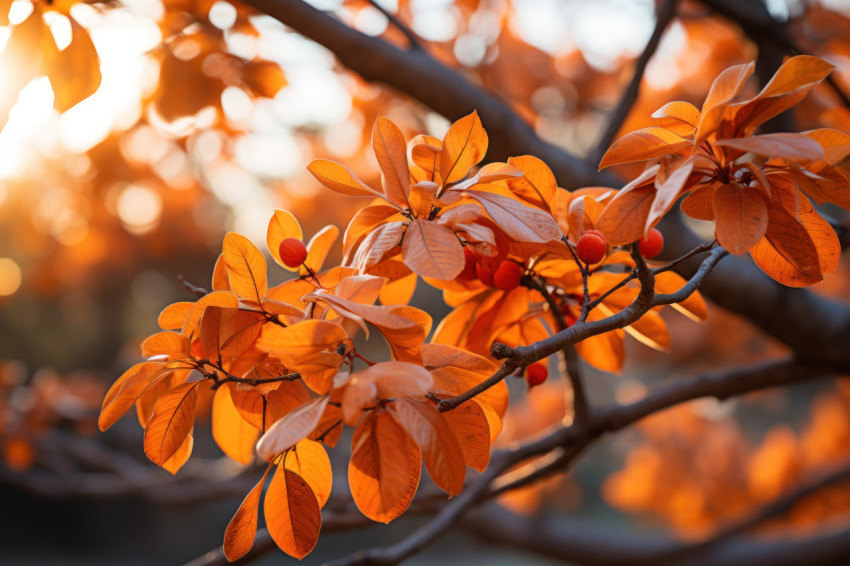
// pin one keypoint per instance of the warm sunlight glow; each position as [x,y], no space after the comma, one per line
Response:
[10,276]
[139,208]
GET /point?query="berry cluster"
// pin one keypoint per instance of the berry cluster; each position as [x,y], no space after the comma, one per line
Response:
[504,274]
[592,246]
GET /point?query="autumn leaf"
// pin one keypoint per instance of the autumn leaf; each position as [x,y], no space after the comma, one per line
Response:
[464,145]
[309,460]
[391,153]
[441,452]
[233,434]
[520,222]
[432,250]
[340,179]
[643,144]
[74,72]
[786,146]
[742,217]
[292,513]
[246,267]
[282,225]
[242,530]
[383,473]
[173,418]
[286,432]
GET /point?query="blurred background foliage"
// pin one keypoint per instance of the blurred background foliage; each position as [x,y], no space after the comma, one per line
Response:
[204,121]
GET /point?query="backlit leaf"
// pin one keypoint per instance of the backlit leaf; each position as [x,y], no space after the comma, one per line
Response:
[233,434]
[246,267]
[173,418]
[286,432]
[242,529]
[786,146]
[391,152]
[74,72]
[440,449]
[282,225]
[383,473]
[339,178]
[309,460]
[292,513]
[463,146]
[643,144]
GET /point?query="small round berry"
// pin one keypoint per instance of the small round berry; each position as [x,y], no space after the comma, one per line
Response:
[591,248]
[597,233]
[470,260]
[507,276]
[292,252]
[651,244]
[535,374]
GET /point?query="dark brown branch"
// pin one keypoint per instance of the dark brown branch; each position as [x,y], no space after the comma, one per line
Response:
[448,404]
[447,92]
[665,14]
[414,41]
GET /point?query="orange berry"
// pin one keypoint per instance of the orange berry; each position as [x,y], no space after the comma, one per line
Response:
[507,276]
[591,248]
[535,374]
[651,244]
[470,261]
[292,252]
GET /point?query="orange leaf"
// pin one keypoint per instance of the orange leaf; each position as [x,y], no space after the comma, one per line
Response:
[292,513]
[835,143]
[174,315]
[384,380]
[463,146]
[286,432]
[309,460]
[74,72]
[699,203]
[242,529]
[376,245]
[220,281]
[383,473]
[318,248]
[181,455]
[624,220]
[432,250]
[246,267]
[741,217]
[391,152]
[469,425]
[520,222]
[363,222]
[296,344]
[643,144]
[669,191]
[786,146]
[724,88]
[440,450]
[693,307]
[225,332]
[264,78]
[792,81]
[132,384]
[173,418]
[537,186]
[684,112]
[233,434]
[171,344]
[339,178]
[282,225]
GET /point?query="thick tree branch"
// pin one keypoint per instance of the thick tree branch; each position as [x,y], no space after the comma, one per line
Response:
[447,92]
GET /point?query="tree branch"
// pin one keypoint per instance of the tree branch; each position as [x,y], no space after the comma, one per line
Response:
[664,15]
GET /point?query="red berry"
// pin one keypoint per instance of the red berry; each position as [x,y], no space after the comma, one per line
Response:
[485,268]
[470,261]
[591,248]
[596,232]
[535,374]
[651,244]
[507,276]
[292,252]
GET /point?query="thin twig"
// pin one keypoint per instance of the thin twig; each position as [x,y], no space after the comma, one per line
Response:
[665,14]
[412,38]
